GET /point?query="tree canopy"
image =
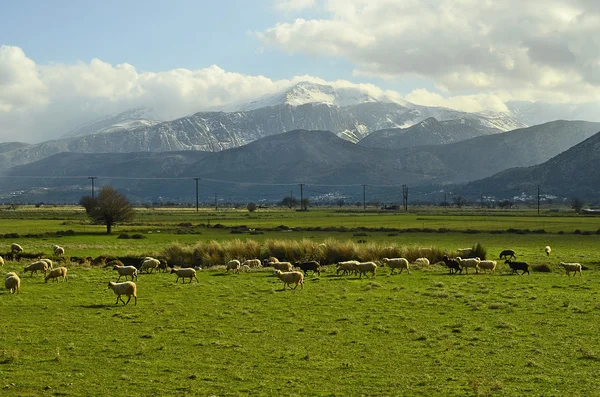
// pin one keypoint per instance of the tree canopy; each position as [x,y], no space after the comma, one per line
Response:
[109,207]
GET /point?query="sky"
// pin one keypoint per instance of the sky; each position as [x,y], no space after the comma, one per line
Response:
[64,62]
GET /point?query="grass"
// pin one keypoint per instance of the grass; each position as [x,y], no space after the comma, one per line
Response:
[426,333]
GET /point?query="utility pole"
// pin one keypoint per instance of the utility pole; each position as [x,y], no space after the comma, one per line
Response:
[302,196]
[538,197]
[216,206]
[92,178]
[364,197]
[405,197]
[196,179]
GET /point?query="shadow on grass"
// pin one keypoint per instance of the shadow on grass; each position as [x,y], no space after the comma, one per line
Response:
[219,274]
[97,306]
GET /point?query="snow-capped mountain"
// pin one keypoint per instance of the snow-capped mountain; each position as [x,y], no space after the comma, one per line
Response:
[129,119]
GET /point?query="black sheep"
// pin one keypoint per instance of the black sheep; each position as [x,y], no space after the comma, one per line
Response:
[313,266]
[507,253]
[523,266]
[452,264]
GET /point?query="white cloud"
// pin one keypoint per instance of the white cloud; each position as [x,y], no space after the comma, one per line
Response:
[293,5]
[536,49]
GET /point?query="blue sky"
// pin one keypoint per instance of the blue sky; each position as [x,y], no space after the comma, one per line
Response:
[64,62]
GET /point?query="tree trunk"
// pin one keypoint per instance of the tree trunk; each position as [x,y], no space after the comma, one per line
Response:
[108,228]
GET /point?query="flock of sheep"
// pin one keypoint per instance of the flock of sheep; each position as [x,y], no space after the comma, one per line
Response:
[283,270]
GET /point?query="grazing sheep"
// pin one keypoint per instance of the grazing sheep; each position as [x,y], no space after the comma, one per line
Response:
[366,267]
[468,263]
[464,251]
[149,264]
[185,273]
[313,266]
[487,265]
[283,266]
[1,261]
[271,259]
[12,283]
[523,266]
[346,267]
[422,262]
[234,265]
[507,253]
[163,265]
[290,278]
[253,263]
[54,274]
[35,266]
[15,248]
[571,267]
[397,263]
[126,271]
[452,264]
[547,250]
[127,288]
[59,251]
[49,262]
[245,268]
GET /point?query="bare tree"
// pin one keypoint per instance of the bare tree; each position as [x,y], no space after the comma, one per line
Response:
[289,202]
[459,201]
[251,207]
[576,204]
[108,207]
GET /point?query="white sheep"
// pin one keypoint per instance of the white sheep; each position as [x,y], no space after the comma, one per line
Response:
[422,261]
[127,288]
[15,248]
[234,265]
[571,267]
[54,274]
[187,272]
[149,264]
[346,267]
[468,263]
[59,251]
[253,263]
[245,268]
[547,250]
[397,263]
[283,266]
[487,265]
[12,283]
[126,271]
[268,260]
[290,278]
[35,266]
[49,262]
[1,261]
[366,267]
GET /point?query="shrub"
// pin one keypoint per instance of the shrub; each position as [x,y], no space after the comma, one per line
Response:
[138,236]
[542,268]
[478,251]
[124,236]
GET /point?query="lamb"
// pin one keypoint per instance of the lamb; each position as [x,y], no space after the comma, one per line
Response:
[1,261]
[253,263]
[366,267]
[523,266]
[12,283]
[15,248]
[488,265]
[506,253]
[185,273]
[245,268]
[54,274]
[452,265]
[126,271]
[290,278]
[282,266]
[347,267]
[468,263]
[465,251]
[397,263]
[149,264]
[547,250]
[571,267]
[59,251]
[127,288]
[313,266]
[234,265]
[422,262]
[35,266]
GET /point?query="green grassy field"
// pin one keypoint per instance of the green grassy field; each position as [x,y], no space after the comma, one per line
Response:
[424,333]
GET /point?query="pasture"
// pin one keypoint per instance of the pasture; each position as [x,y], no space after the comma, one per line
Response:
[424,333]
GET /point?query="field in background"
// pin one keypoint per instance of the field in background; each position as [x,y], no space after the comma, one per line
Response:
[427,333]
